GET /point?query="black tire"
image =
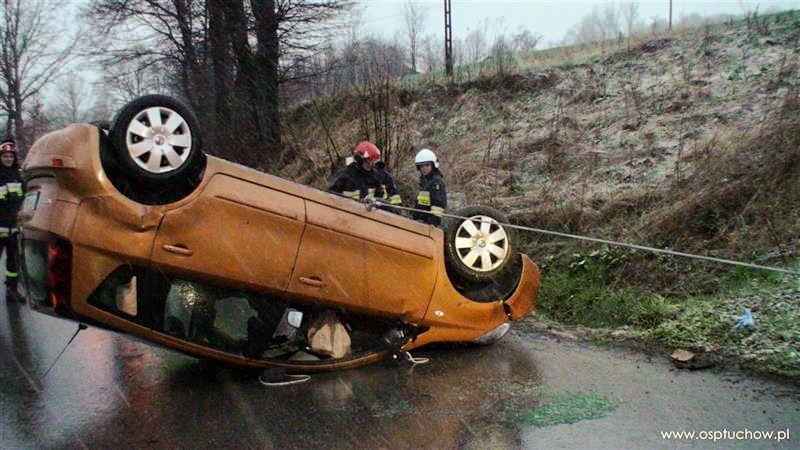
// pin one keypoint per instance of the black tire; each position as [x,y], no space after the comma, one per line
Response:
[165,135]
[472,246]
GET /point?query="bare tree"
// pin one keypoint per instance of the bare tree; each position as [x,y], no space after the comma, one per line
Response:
[378,111]
[432,52]
[611,25]
[414,15]
[103,105]
[501,50]
[599,26]
[37,123]
[126,80]
[351,47]
[353,25]
[226,58]
[658,25]
[475,43]
[630,12]
[144,35]
[288,33]
[72,99]
[36,46]
[523,42]
[589,29]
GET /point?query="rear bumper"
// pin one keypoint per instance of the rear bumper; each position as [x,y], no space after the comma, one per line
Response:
[521,302]
[454,318]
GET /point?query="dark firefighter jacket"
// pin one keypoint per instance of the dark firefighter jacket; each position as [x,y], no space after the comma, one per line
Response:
[10,197]
[387,184]
[355,182]
[432,197]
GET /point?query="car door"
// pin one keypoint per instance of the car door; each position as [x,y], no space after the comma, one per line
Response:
[236,233]
[364,261]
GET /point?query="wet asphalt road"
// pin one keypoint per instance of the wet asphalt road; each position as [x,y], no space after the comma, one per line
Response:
[109,391]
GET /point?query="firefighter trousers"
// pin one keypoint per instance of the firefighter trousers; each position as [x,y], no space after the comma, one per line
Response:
[8,244]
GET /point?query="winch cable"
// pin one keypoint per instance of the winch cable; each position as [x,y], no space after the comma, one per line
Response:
[379,204]
[80,328]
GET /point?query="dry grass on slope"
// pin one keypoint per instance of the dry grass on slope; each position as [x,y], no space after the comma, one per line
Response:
[744,195]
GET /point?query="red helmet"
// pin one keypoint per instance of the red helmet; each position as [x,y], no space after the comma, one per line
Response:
[366,150]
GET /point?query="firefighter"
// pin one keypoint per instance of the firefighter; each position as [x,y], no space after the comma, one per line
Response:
[432,195]
[10,201]
[386,181]
[358,180]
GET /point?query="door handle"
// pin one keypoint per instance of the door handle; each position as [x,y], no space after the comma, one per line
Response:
[315,282]
[179,249]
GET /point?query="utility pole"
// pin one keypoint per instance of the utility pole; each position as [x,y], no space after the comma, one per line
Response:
[670,15]
[448,40]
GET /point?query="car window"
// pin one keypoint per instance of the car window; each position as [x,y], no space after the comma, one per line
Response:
[241,323]
[219,318]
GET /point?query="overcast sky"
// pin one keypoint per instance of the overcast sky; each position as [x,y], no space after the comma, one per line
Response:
[552,19]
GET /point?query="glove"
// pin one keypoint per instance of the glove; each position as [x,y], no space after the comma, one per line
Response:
[371,202]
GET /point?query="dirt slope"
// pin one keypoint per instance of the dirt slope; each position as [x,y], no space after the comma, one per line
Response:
[573,145]
[689,140]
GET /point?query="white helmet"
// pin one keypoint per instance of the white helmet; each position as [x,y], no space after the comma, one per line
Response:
[426,156]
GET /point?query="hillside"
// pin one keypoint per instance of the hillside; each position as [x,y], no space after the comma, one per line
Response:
[689,140]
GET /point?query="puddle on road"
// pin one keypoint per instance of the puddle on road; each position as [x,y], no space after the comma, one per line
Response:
[466,397]
[479,397]
[462,398]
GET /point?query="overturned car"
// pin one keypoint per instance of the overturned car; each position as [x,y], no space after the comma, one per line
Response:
[136,230]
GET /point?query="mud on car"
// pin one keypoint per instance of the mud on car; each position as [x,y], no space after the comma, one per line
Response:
[135,229]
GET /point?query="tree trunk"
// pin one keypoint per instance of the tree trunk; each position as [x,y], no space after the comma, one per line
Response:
[236,27]
[190,69]
[266,82]
[221,66]
[19,121]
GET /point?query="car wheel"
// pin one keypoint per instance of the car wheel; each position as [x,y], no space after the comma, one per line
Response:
[156,140]
[479,249]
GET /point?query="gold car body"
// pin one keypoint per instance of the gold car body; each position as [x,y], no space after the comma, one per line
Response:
[245,229]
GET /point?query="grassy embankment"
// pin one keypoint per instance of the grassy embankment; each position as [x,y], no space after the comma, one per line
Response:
[689,140]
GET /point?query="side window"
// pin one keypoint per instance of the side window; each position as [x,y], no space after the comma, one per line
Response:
[218,318]
[233,321]
[240,323]
[133,293]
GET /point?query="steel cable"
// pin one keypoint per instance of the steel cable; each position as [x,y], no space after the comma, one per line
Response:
[375,203]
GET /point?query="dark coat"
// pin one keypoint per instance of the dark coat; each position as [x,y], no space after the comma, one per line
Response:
[387,184]
[10,195]
[356,183]
[432,197]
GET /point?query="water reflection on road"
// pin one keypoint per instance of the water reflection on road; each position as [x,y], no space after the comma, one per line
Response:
[110,391]
[528,391]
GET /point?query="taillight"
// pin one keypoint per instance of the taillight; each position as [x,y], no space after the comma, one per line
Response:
[59,271]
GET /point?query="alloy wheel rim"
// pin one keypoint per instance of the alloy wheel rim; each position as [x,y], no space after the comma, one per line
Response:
[481,243]
[158,140]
